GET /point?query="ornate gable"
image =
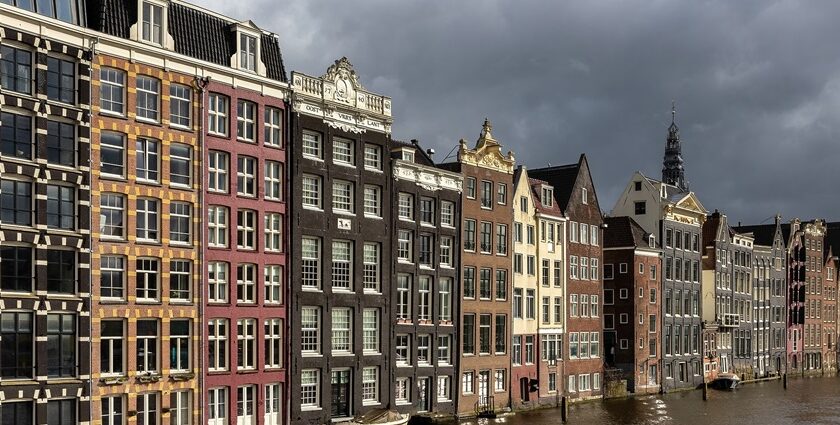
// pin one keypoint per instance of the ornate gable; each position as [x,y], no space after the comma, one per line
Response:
[687,210]
[487,152]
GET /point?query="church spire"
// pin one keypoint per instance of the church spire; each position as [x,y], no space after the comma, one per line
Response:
[673,172]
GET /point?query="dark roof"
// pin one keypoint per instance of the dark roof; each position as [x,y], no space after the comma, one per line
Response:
[624,232]
[563,179]
[832,238]
[420,155]
[536,187]
[196,33]
[764,234]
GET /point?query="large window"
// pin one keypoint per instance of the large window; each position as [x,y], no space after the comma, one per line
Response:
[180,407]
[373,201]
[342,264]
[311,263]
[370,330]
[246,283]
[404,297]
[246,344]
[426,256]
[245,404]
[61,143]
[180,164]
[273,180]
[16,136]
[217,403]
[312,145]
[16,202]
[61,80]
[180,222]
[468,334]
[446,249]
[179,345]
[427,211]
[424,298]
[405,245]
[62,412]
[180,105]
[484,333]
[148,98]
[112,215]
[405,209]
[61,271]
[445,299]
[444,348]
[501,334]
[152,24]
[61,207]
[248,52]
[310,389]
[180,286]
[148,159]
[342,330]
[273,123]
[112,348]
[373,157]
[113,410]
[15,69]
[147,408]
[217,114]
[273,402]
[311,191]
[273,284]
[246,229]
[310,330]
[371,267]
[402,348]
[147,346]
[246,121]
[112,277]
[148,282]
[343,151]
[370,385]
[147,219]
[111,90]
[273,349]
[217,226]
[246,172]
[342,196]
[273,233]
[217,338]
[17,342]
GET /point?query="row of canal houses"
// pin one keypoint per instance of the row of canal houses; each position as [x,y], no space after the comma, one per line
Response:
[189,236]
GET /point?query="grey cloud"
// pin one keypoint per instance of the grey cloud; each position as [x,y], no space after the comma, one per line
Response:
[757,84]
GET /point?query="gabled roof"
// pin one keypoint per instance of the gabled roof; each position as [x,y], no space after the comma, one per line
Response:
[196,32]
[624,232]
[672,193]
[765,234]
[536,191]
[832,238]
[563,179]
[420,155]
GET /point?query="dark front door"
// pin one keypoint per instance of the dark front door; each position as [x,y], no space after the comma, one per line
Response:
[340,393]
[609,347]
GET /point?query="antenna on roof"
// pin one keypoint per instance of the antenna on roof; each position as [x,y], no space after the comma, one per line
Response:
[450,153]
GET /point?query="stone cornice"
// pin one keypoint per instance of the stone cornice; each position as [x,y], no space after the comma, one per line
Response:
[429,178]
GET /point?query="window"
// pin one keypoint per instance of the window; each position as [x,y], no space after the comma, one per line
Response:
[147,409]
[273,401]
[370,330]
[446,247]
[373,157]
[468,333]
[342,264]
[311,262]
[343,152]
[217,170]
[273,232]
[16,136]
[63,412]
[246,345]
[402,390]
[484,333]
[16,202]
[426,250]
[217,336]
[180,407]
[217,226]
[310,330]
[402,348]
[501,239]
[517,303]
[246,282]
[148,94]
[217,114]
[424,355]
[61,207]
[147,346]
[113,410]
[246,118]
[467,382]
[180,222]
[246,225]
[147,279]
[501,194]
[311,191]
[403,297]
[501,284]
[112,277]
[15,69]
[179,280]
[501,334]
[573,269]
[470,187]
[405,208]
[61,80]
[486,194]
[246,171]
[180,105]
[486,237]
[443,390]
[469,235]
[447,213]
[152,28]
[273,123]
[484,284]
[342,197]
[445,299]
[248,52]
[530,304]
[148,164]
[373,201]
[444,349]
[427,211]
[17,268]
[405,245]
[593,268]
[217,403]
[112,154]
[310,389]
[61,143]
[179,345]
[17,341]
[273,284]
[640,208]
[500,382]
[370,385]
[342,341]
[311,145]
[424,299]
[180,164]
[584,233]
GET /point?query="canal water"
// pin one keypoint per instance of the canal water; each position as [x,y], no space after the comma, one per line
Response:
[806,401]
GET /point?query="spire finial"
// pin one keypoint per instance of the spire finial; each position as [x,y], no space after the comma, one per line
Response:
[487,127]
[673,111]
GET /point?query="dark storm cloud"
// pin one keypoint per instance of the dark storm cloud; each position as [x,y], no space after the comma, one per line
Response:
[757,85]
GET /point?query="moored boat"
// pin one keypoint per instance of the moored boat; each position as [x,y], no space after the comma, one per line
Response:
[726,381]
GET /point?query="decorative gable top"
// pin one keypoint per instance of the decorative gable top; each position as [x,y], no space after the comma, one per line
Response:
[487,152]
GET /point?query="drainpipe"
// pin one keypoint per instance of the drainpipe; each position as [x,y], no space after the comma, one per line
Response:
[200,84]
[92,54]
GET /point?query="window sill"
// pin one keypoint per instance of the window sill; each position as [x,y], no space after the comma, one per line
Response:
[313,208]
[112,301]
[310,408]
[373,217]
[246,371]
[112,239]
[180,127]
[113,380]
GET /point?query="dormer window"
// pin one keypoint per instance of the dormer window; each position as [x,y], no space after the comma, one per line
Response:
[248,52]
[408,155]
[152,28]
[547,196]
[651,241]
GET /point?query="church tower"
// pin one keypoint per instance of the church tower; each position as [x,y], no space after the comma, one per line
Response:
[673,171]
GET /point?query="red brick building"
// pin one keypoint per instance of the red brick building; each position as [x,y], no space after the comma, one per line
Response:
[632,303]
[575,193]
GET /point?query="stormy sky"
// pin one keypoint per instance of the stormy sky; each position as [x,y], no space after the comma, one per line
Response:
[756,84]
